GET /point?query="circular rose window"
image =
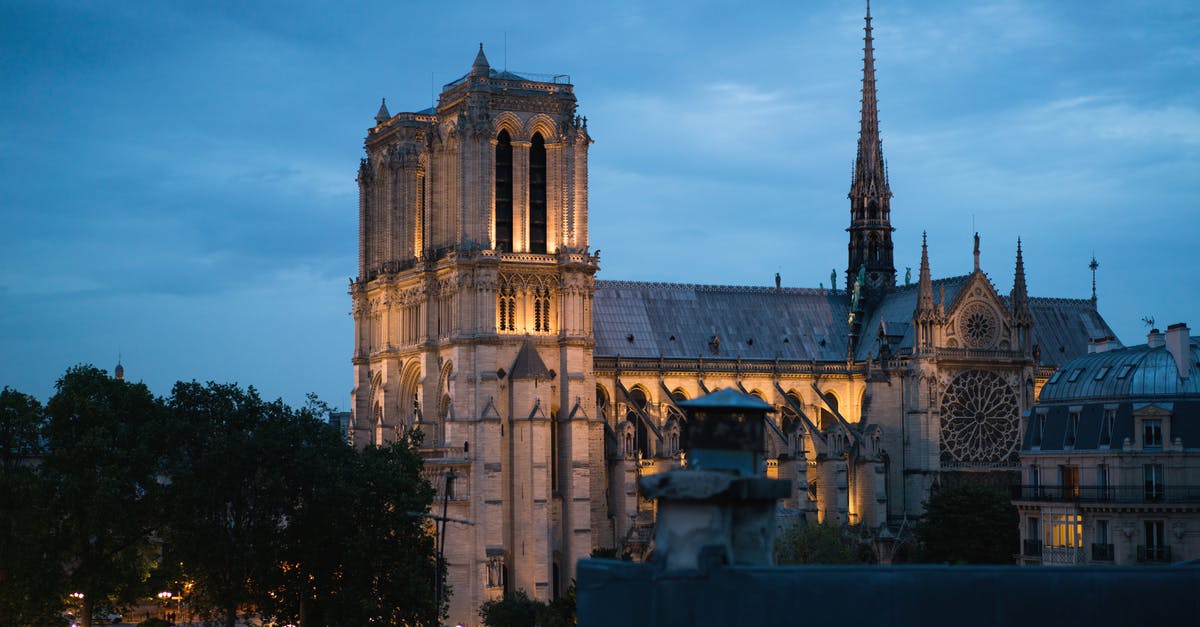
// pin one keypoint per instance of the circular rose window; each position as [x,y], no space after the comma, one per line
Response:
[979,419]
[978,325]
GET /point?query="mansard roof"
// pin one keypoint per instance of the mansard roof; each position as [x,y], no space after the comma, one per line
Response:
[1135,372]
[636,319]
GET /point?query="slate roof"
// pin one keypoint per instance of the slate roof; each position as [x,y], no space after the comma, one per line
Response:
[635,319]
[528,364]
[641,319]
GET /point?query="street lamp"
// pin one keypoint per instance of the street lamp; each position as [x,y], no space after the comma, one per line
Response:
[164,597]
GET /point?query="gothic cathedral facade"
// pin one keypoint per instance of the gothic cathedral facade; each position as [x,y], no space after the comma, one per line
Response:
[542,393]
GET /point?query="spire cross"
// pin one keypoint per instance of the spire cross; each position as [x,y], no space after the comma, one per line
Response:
[1093,265]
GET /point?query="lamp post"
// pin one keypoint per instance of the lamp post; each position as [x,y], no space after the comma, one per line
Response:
[164,598]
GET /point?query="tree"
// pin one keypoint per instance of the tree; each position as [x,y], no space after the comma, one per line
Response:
[822,543]
[968,524]
[518,610]
[229,495]
[30,583]
[272,511]
[103,466]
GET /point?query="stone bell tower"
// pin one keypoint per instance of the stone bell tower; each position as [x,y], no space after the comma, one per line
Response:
[472,319]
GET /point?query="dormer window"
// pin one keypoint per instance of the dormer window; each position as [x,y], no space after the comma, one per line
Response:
[1106,426]
[1036,425]
[1074,375]
[1152,435]
[1054,377]
[1124,371]
[1072,429]
[1101,373]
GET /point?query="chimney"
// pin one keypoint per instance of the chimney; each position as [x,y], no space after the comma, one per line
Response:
[1154,339]
[1103,344]
[1180,346]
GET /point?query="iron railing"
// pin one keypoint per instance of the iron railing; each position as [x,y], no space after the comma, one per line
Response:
[1148,493]
[1153,553]
[1031,548]
[1102,552]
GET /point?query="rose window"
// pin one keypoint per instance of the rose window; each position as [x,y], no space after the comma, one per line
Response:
[978,325]
[979,419]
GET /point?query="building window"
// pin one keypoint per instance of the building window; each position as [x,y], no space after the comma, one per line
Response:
[1036,425]
[537,194]
[1102,489]
[1152,433]
[1152,476]
[1072,429]
[1074,375]
[1102,548]
[1069,480]
[1101,372]
[1106,427]
[1054,377]
[1065,531]
[1124,371]
[1035,481]
[541,310]
[506,309]
[504,192]
[1155,549]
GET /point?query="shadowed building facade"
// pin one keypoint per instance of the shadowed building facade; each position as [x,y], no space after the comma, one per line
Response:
[543,394]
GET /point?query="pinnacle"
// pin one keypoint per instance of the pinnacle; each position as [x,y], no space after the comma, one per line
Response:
[383,115]
[480,67]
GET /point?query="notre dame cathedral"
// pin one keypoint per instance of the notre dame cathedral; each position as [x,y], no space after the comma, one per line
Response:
[543,393]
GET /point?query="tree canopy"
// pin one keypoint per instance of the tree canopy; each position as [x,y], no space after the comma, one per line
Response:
[250,505]
[968,524]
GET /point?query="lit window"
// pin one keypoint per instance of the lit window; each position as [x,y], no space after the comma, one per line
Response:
[1064,531]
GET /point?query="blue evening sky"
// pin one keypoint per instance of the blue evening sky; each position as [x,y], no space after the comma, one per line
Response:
[177,178]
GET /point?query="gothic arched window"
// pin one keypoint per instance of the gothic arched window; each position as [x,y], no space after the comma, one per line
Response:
[537,194]
[541,310]
[504,192]
[827,417]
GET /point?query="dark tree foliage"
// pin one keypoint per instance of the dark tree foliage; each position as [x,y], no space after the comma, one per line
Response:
[968,524]
[230,493]
[103,466]
[30,580]
[273,512]
[518,610]
[822,543]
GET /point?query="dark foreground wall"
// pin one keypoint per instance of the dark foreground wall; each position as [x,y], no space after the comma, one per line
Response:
[628,594]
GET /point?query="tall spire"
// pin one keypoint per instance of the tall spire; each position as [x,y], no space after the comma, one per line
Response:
[924,281]
[870,194]
[1020,294]
[1093,265]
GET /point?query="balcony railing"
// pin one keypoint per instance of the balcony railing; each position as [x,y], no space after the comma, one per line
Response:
[1031,548]
[1109,494]
[1154,553]
[1102,552]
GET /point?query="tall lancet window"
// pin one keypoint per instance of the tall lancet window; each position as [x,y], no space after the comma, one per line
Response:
[504,192]
[537,194]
